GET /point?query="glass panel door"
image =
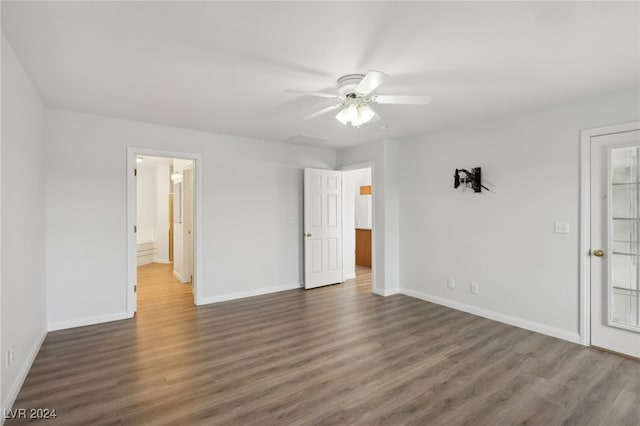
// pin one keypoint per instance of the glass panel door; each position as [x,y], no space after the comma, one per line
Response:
[624,237]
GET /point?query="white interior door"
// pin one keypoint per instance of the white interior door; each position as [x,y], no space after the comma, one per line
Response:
[615,242]
[188,223]
[322,227]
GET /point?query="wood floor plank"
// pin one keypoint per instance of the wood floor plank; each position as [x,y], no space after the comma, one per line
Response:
[625,411]
[333,355]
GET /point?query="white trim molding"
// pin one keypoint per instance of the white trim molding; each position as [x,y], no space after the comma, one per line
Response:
[585,221]
[385,291]
[250,293]
[11,396]
[496,316]
[81,322]
[177,276]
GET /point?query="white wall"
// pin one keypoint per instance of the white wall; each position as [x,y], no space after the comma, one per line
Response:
[352,181]
[348,224]
[146,212]
[363,203]
[152,210]
[382,156]
[152,213]
[23,290]
[251,211]
[504,240]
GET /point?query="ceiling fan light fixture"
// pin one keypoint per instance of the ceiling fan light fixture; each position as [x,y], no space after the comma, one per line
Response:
[355,95]
[342,116]
[352,113]
[365,114]
[356,114]
[349,114]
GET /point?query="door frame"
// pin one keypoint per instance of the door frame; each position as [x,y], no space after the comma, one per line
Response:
[374,257]
[132,193]
[585,221]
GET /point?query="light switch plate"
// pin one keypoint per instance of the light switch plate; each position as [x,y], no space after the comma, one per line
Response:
[560,227]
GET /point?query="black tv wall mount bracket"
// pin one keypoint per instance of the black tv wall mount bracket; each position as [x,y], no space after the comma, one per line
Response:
[471,178]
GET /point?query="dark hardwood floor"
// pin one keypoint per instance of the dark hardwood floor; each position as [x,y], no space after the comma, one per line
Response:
[336,355]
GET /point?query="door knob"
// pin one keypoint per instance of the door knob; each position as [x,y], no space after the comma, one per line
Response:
[598,253]
[307,234]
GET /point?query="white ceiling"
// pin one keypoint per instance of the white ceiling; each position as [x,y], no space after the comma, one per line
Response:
[223,66]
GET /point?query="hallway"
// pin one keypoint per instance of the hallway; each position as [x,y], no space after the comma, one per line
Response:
[159,291]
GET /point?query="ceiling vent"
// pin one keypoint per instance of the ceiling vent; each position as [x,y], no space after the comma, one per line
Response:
[306,140]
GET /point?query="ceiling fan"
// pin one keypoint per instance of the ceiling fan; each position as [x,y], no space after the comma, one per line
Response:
[354,97]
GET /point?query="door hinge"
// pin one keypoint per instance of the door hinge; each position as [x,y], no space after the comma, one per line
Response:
[135,172]
[135,229]
[135,288]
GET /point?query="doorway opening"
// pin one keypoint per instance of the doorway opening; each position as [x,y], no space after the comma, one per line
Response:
[358,225]
[162,216]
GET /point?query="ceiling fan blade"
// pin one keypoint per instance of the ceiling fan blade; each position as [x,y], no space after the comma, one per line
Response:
[323,111]
[370,82]
[405,100]
[318,94]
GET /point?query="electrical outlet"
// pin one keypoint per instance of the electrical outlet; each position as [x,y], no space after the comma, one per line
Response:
[475,288]
[451,283]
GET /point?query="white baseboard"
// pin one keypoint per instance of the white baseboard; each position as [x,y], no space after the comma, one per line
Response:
[496,316]
[177,276]
[163,261]
[81,322]
[349,276]
[22,375]
[251,293]
[385,291]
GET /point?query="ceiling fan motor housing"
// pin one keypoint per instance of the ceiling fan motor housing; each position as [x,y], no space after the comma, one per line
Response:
[347,84]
